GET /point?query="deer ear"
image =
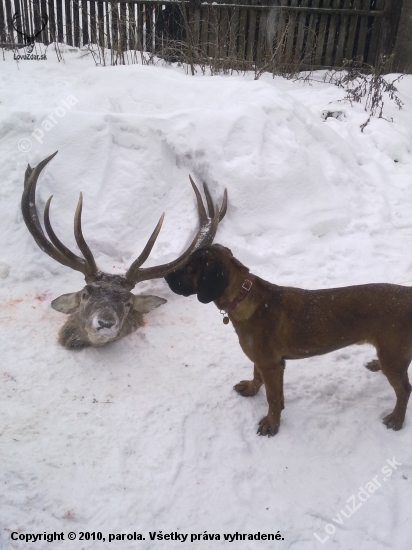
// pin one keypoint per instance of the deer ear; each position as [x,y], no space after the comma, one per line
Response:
[67,303]
[144,304]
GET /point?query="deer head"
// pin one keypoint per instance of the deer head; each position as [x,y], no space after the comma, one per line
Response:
[105,309]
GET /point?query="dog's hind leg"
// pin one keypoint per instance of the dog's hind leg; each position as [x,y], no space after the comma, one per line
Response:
[272,375]
[248,388]
[396,371]
[374,365]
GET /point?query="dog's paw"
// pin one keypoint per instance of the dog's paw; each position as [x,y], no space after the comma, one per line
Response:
[246,388]
[374,365]
[268,427]
[393,421]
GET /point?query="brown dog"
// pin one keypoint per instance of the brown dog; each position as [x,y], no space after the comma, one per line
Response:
[276,323]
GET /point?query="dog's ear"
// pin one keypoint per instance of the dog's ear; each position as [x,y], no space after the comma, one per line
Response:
[224,249]
[212,280]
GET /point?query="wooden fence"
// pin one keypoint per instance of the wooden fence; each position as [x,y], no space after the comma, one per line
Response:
[312,33]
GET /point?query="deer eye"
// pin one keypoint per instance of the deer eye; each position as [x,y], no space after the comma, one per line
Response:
[85,296]
[129,304]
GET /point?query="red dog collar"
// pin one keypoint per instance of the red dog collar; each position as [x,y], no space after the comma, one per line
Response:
[247,285]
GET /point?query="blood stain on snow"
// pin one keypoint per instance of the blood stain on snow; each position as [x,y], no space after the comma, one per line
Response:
[15,301]
[42,297]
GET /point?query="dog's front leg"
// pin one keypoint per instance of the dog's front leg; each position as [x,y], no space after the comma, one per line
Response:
[248,388]
[272,376]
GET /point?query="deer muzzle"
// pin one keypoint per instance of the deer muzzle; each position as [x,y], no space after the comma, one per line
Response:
[103,328]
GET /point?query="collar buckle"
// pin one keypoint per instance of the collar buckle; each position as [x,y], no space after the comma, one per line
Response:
[247,285]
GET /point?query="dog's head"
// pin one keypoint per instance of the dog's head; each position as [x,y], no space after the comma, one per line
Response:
[206,273]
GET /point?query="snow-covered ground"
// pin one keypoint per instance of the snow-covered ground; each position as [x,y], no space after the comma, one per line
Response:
[147,434]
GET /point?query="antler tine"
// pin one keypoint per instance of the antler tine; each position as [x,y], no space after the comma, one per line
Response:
[91,266]
[134,268]
[223,208]
[205,235]
[209,228]
[209,200]
[200,206]
[31,219]
[209,232]
[210,205]
[53,237]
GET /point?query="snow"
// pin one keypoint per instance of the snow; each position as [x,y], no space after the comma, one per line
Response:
[147,434]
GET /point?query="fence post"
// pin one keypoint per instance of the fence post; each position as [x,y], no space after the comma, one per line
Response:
[403,45]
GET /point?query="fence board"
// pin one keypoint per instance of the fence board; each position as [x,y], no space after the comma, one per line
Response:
[100,19]
[233,38]
[132,27]
[196,28]
[251,33]
[16,11]
[149,28]
[301,34]
[122,28]
[261,35]
[35,5]
[68,14]
[2,24]
[106,23]
[93,24]
[114,16]
[213,32]
[59,20]
[16,36]
[363,27]
[52,21]
[241,50]
[373,52]
[334,17]
[28,26]
[140,37]
[223,35]
[85,26]
[291,34]
[311,40]
[350,48]
[44,33]
[76,24]
[280,25]
[342,35]
[321,40]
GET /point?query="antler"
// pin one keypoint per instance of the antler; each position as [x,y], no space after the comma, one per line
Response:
[205,235]
[54,248]
[87,265]
[215,215]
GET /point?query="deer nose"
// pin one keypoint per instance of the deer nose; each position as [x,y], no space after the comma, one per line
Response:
[105,323]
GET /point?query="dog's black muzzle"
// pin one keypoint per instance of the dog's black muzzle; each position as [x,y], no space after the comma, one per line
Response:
[178,284]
